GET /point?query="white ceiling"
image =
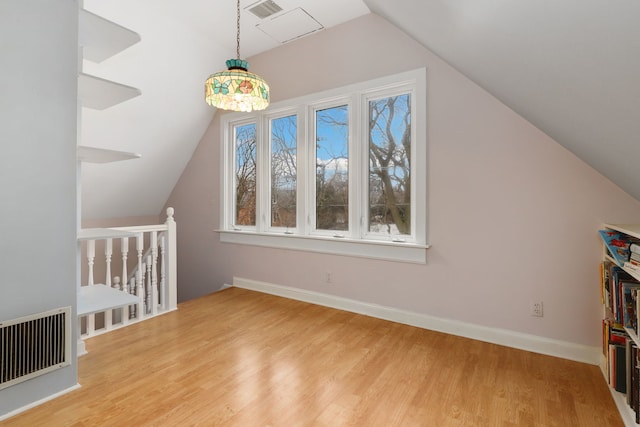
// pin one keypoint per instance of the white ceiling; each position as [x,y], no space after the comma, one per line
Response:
[570,67]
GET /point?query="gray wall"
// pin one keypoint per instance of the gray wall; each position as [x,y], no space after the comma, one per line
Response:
[38,132]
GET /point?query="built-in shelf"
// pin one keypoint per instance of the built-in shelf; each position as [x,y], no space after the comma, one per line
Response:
[103,233]
[99,94]
[103,155]
[101,39]
[632,230]
[98,298]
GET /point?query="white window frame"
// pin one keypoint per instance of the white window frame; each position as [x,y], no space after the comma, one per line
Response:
[265,178]
[228,181]
[418,174]
[311,163]
[358,241]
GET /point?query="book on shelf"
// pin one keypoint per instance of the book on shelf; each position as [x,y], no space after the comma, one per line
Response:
[636,383]
[604,282]
[633,267]
[635,247]
[617,278]
[629,292]
[620,368]
[632,376]
[617,245]
[628,372]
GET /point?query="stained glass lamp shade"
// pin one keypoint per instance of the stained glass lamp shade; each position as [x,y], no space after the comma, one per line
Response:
[236,88]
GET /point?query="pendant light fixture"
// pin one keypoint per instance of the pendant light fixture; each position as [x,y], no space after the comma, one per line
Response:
[236,88]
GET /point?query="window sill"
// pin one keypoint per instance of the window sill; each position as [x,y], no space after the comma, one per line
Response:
[390,251]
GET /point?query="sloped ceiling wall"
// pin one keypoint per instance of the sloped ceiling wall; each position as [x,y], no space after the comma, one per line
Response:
[182,44]
[568,67]
[571,67]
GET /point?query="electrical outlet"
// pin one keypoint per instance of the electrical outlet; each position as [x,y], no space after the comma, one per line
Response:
[537,309]
[327,277]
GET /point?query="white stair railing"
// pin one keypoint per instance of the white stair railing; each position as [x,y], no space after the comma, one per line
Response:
[147,286]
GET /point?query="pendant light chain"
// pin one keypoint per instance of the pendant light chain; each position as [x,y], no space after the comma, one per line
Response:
[236,89]
[238,33]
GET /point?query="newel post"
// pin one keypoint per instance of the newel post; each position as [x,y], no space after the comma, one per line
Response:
[172,262]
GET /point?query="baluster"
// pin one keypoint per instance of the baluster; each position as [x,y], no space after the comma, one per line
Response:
[139,273]
[140,293]
[108,252]
[149,290]
[163,292]
[132,291]
[124,248]
[118,313]
[91,254]
[154,273]
[108,320]
[91,324]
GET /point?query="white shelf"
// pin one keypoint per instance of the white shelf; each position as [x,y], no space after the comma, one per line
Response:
[103,233]
[98,93]
[632,230]
[632,335]
[101,38]
[103,155]
[97,298]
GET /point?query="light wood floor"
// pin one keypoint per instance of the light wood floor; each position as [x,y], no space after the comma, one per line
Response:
[240,358]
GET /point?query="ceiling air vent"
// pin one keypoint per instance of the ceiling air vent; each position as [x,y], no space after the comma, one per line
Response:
[265,9]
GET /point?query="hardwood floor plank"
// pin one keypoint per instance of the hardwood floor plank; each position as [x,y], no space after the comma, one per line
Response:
[241,358]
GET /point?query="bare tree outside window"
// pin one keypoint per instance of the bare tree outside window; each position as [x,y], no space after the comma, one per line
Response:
[245,174]
[284,179]
[332,169]
[390,165]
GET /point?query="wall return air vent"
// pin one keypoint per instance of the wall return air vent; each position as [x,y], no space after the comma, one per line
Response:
[34,345]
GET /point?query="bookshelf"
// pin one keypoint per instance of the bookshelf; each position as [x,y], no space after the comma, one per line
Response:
[614,307]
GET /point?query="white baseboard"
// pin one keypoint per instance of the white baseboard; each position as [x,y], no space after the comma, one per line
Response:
[37,403]
[533,343]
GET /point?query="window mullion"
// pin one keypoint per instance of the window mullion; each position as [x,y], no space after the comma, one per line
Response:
[227,179]
[310,170]
[302,172]
[263,166]
[356,184]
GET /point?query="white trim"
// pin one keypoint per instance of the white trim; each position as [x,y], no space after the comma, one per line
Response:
[528,342]
[38,403]
[262,234]
[390,251]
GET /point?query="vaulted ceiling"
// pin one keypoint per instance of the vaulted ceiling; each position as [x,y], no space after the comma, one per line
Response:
[568,67]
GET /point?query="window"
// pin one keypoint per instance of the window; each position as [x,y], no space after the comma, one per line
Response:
[284,171]
[331,172]
[332,168]
[245,174]
[390,165]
